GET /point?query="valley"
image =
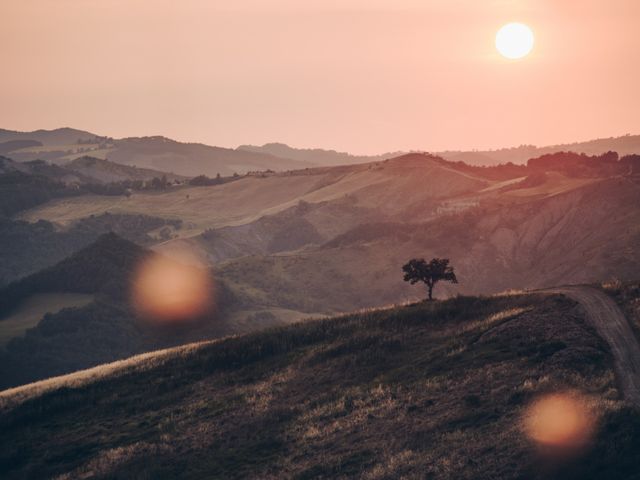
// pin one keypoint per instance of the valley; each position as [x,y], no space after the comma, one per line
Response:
[282,247]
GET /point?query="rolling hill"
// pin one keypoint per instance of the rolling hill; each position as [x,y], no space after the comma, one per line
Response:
[624,145]
[49,138]
[285,246]
[441,389]
[64,145]
[332,239]
[316,156]
[100,322]
[84,170]
[191,159]
[379,187]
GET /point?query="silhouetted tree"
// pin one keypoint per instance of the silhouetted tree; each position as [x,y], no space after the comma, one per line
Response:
[418,270]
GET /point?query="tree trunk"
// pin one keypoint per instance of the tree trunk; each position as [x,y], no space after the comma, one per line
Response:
[430,292]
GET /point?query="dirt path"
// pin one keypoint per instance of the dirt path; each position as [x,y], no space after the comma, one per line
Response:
[613,327]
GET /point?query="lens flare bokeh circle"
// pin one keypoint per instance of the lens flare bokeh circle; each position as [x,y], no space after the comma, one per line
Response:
[165,290]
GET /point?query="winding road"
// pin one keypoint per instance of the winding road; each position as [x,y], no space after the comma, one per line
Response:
[611,324]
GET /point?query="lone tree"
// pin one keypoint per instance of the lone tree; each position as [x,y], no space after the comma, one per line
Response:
[418,270]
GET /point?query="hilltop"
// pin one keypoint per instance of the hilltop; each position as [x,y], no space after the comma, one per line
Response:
[624,145]
[55,137]
[437,389]
[64,145]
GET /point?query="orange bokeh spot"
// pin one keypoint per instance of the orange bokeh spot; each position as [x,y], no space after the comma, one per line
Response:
[165,290]
[561,420]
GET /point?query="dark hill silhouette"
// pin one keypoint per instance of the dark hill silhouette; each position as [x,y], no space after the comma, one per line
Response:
[102,267]
[392,393]
[106,329]
[30,247]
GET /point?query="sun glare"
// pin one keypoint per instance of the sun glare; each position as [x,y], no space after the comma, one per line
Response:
[514,40]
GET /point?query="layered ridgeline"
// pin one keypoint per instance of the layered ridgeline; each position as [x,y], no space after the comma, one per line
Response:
[29,246]
[66,144]
[287,246]
[439,390]
[332,239]
[81,312]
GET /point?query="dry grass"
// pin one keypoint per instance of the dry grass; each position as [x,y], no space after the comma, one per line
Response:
[381,394]
[14,396]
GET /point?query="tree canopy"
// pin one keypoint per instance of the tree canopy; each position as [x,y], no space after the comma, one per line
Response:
[418,270]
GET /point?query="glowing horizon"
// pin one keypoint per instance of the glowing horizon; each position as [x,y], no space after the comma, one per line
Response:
[356,76]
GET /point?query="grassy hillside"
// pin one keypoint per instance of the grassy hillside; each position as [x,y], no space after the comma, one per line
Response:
[332,239]
[582,235]
[436,390]
[105,171]
[416,182]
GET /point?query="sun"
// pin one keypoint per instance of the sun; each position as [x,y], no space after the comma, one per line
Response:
[514,40]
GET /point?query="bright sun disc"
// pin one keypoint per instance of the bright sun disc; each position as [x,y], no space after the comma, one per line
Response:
[514,40]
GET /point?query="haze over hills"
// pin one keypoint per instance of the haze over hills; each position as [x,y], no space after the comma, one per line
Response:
[285,246]
[191,159]
[281,247]
[49,138]
[64,145]
[624,145]
[85,169]
[320,240]
[315,156]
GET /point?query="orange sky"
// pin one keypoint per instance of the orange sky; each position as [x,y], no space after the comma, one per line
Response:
[365,76]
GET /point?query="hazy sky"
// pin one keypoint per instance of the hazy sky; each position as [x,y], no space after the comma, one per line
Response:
[359,75]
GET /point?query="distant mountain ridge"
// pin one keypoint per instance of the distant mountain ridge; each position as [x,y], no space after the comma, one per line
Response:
[316,156]
[63,145]
[58,136]
[624,145]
